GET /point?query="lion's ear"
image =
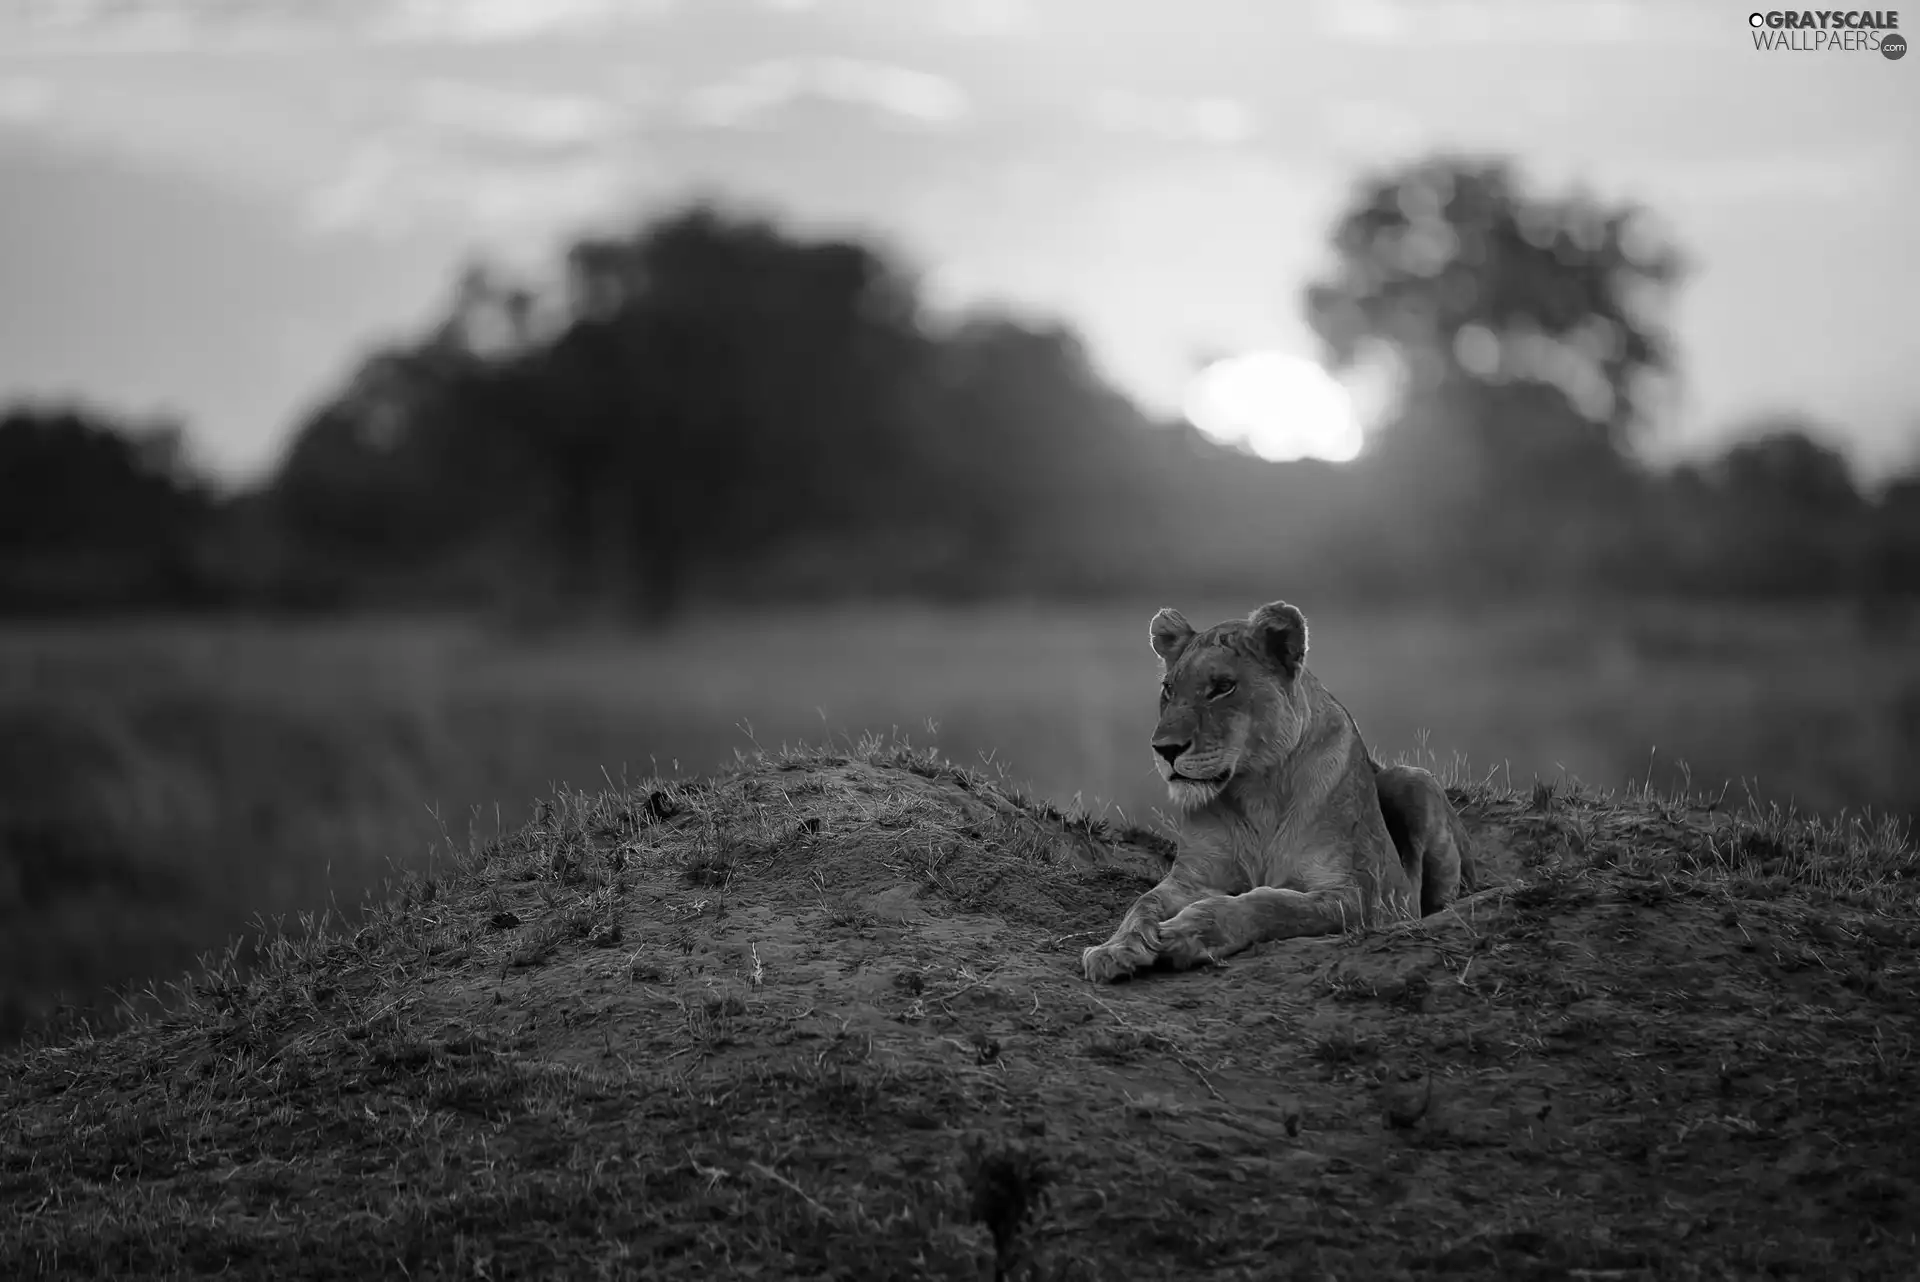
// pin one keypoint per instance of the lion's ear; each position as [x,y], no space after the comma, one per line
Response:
[1170,632]
[1281,633]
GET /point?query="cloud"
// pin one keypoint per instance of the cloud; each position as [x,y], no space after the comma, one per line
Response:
[382,154]
[92,28]
[755,93]
[1364,21]
[1834,176]
[186,122]
[1760,177]
[1215,121]
[173,26]
[488,159]
[1579,22]
[25,100]
[1369,129]
[518,118]
[389,188]
[986,17]
[489,21]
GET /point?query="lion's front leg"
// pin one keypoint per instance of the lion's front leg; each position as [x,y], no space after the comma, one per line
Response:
[1136,941]
[1221,925]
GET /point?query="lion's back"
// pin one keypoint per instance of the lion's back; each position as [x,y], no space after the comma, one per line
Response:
[1432,842]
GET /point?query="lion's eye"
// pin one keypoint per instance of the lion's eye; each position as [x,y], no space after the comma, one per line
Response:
[1221,689]
[1166,693]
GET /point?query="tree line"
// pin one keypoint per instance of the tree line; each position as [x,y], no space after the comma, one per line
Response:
[711,405]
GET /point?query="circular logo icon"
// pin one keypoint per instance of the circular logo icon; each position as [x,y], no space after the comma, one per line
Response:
[1894,46]
[1756,20]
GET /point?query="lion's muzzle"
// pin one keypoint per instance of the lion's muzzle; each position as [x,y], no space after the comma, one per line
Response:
[1179,763]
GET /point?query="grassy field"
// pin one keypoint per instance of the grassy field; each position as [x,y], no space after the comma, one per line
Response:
[161,784]
[822,1016]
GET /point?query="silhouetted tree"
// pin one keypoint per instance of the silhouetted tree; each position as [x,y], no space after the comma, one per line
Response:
[723,389]
[1787,517]
[1525,332]
[1781,469]
[705,393]
[1042,463]
[1894,566]
[1463,277]
[705,402]
[410,464]
[98,513]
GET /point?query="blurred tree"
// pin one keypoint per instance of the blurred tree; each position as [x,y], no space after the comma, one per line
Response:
[1525,335]
[1895,565]
[98,513]
[490,315]
[1503,489]
[1044,465]
[724,389]
[408,463]
[707,399]
[1449,267]
[1788,518]
[1783,469]
[706,402]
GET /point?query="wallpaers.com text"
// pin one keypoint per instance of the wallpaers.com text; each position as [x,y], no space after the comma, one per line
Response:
[1824,29]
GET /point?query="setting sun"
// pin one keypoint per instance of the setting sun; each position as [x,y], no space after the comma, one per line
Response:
[1279,406]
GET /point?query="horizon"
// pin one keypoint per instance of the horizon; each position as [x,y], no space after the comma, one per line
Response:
[214,217]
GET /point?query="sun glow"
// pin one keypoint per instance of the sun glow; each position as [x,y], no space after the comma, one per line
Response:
[1279,406]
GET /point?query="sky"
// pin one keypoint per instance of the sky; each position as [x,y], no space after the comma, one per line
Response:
[215,208]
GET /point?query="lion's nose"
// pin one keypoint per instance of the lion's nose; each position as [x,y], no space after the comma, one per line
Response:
[1171,751]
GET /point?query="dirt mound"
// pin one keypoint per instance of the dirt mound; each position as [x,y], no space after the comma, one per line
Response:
[822,1017]
[921,837]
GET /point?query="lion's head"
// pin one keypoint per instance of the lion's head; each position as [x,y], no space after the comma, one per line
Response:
[1231,699]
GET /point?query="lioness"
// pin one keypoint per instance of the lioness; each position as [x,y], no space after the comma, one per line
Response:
[1291,827]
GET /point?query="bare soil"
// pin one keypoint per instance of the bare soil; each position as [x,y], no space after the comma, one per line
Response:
[823,1017]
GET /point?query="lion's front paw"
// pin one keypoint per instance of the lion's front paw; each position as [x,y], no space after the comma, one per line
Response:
[1104,963]
[1190,939]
